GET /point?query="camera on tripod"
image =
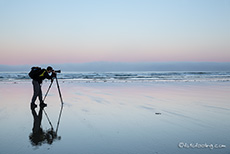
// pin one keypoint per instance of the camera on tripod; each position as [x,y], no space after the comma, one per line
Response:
[57,71]
[54,73]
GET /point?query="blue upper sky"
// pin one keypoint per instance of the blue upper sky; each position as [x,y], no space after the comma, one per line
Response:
[75,31]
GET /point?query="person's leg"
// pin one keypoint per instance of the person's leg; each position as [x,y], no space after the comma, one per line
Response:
[36,93]
[42,104]
[40,94]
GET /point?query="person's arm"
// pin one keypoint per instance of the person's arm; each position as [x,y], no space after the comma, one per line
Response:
[48,76]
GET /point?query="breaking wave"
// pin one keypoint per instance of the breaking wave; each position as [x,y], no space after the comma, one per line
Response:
[128,76]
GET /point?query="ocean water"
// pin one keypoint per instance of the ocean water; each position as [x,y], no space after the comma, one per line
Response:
[221,76]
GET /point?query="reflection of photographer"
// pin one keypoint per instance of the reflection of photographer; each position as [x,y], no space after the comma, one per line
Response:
[38,136]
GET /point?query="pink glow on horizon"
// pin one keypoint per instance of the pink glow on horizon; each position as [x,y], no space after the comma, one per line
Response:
[58,58]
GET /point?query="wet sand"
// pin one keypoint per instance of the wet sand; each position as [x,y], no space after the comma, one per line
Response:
[119,118]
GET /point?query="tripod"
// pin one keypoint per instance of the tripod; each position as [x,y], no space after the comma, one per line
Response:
[60,95]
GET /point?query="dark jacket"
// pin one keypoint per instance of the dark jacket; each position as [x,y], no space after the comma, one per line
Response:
[43,74]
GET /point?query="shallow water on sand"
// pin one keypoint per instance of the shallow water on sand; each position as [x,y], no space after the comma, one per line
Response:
[119,118]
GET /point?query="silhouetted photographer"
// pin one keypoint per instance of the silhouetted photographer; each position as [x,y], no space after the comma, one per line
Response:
[38,75]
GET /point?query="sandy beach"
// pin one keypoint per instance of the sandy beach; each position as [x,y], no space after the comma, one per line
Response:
[119,118]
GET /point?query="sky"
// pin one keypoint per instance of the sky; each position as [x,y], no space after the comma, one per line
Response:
[83,31]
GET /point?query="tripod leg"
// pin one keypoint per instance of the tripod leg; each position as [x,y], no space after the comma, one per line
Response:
[48,90]
[59,118]
[48,119]
[44,109]
[59,91]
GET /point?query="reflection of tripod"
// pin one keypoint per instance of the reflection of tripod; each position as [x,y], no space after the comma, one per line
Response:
[59,117]
[39,136]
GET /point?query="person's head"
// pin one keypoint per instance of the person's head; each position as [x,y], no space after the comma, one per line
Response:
[49,69]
